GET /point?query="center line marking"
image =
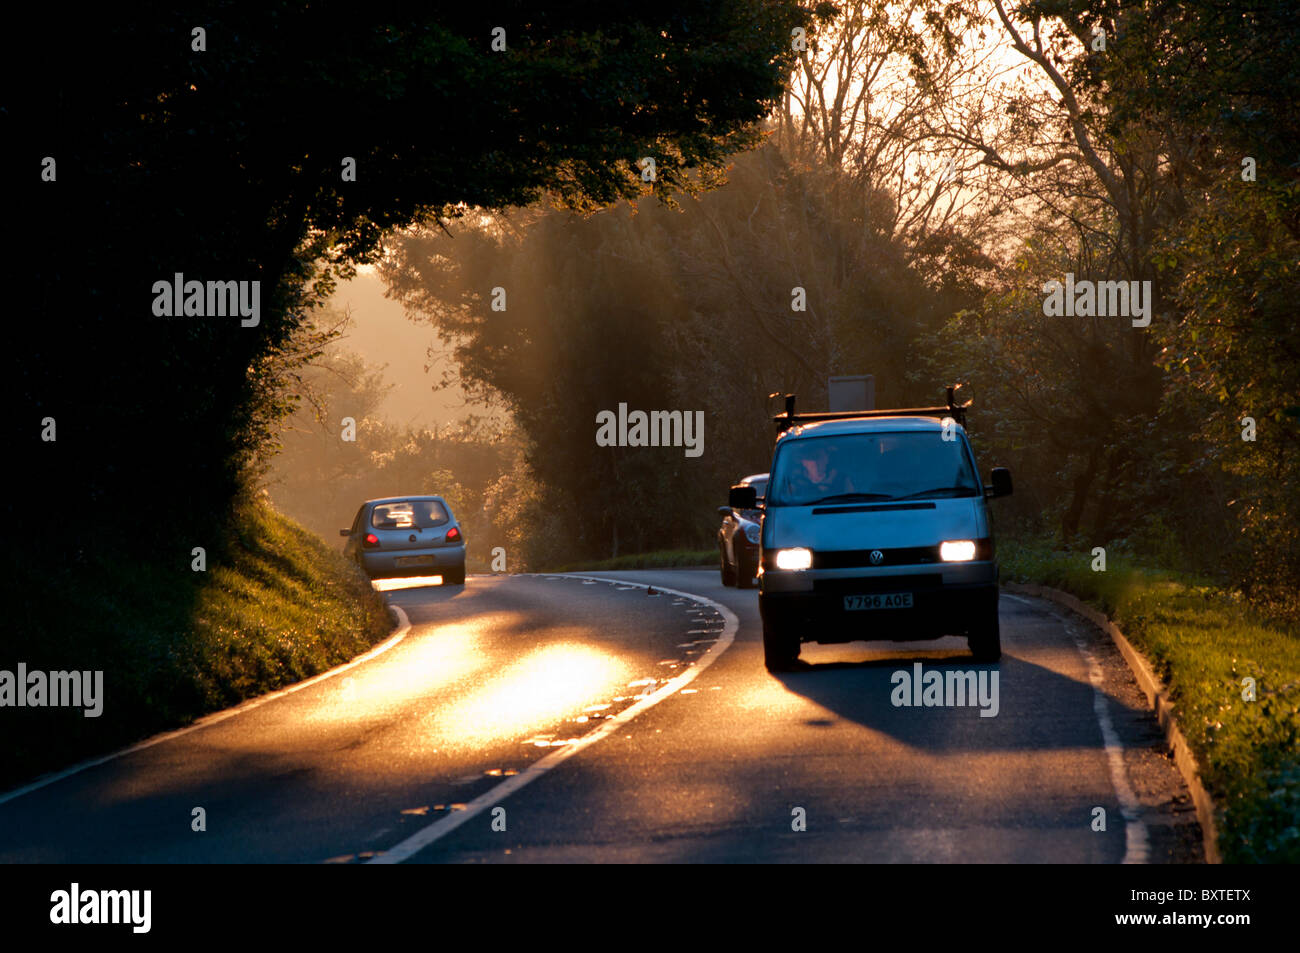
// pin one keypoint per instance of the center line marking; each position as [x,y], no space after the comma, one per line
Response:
[444,826]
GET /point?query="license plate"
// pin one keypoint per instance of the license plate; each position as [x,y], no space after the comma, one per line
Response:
[884,600]
[404,561]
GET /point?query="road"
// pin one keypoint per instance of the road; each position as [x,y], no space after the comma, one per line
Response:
[470,740]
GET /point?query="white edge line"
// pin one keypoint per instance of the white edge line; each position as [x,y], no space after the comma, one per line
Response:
[498,792]
[208,720]
[1137,847]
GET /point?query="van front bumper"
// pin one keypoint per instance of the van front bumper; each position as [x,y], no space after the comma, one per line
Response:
[947,599]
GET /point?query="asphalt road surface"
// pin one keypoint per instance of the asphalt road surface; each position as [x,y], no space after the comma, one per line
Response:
[565,719]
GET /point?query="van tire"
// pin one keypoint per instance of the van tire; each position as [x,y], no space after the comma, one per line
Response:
[780,647]
[985,641]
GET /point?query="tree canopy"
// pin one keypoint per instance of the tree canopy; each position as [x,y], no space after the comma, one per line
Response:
[214,141]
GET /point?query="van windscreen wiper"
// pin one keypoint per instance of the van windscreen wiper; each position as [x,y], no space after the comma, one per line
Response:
[850,498]
[955,490]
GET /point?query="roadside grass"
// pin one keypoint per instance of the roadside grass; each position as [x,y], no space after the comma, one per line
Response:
[274,606]
[1203,640]
[662,559]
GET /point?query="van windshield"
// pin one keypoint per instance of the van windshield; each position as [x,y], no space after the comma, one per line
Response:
[862,467]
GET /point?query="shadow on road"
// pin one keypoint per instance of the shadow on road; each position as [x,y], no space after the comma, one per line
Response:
[1024,706]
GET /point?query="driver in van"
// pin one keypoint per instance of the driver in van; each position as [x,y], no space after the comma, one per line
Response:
[818,474]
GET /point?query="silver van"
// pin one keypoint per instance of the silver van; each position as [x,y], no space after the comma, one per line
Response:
[875,526]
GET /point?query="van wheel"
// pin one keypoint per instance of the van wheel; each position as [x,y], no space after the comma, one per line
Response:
[986,641]
[780,647]
[728,573]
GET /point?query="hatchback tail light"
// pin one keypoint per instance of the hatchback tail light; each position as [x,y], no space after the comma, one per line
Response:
[453,534]
[371,541]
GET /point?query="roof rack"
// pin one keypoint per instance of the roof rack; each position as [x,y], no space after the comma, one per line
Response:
[951,409]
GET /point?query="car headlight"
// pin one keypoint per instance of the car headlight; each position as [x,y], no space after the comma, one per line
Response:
[957,550]
[752,532]
[793,558]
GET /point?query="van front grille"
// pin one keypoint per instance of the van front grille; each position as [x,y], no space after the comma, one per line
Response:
[853,558]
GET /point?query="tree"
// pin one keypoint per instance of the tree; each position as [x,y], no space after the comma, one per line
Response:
[228,163]
[559,317]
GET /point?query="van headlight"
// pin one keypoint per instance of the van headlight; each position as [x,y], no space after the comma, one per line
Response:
[752,532]
[799,558]
[957,550]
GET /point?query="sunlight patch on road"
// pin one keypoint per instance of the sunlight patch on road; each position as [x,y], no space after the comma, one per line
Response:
[771,697]
[542,688]
[447,655]
[404,582]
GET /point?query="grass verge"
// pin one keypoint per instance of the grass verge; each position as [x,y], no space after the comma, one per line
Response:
[274,606]
[1204,641]
[663,559]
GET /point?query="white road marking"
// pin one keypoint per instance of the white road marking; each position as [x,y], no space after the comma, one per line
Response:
[1137,847]
[444,826]
[209,720]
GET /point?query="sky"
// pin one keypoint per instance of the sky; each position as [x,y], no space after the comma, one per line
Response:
[382,334]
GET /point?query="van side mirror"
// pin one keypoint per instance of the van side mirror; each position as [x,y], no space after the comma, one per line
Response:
[743,498]
[999,483]
[724,510]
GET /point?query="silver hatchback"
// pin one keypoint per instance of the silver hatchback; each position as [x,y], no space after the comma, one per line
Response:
[407,536]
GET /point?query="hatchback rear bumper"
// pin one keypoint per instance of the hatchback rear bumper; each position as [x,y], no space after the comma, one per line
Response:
[383,565]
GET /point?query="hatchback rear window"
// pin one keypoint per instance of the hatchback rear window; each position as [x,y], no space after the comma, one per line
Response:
[409,514]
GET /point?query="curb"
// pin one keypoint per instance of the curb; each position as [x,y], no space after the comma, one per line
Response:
[1157,698]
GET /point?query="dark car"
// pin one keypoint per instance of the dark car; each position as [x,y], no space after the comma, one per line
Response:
[738,538]
[407,536]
